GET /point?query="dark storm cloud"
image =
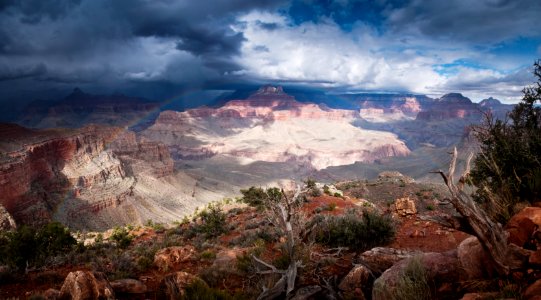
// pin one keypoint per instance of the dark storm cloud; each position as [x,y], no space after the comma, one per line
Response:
[482,21]
[32,11]
[8,73]
[81,35]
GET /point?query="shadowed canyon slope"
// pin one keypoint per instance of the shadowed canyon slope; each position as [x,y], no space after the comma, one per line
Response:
[91,178]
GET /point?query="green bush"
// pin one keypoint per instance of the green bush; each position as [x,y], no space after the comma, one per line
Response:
[359,231]
[310,183]
[259,198]
[508,167]
[121,237]
[199,290]
[213,221]
[27,245]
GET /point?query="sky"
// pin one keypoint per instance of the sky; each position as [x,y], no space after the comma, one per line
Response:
[163,48]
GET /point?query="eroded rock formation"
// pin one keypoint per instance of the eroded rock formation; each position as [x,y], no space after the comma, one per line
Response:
[271,126]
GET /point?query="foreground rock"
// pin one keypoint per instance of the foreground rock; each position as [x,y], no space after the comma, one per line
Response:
[357,283]
[379,259]
[173,286]
[474,260]
[83,285]
[128,286]
[434,269]
[522,226]
[167,258]
[405,206]
[6,220]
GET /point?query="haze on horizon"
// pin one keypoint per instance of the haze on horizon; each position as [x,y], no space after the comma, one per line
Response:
[173,48]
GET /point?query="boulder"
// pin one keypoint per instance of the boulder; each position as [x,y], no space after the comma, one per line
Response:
[534,290]
[174,285]
[535,259]
[356,282]
[405,206]
[6,220]
[168,258]
[479,296]
[128,286]
[83,285]
[474,260]
[51,294]
[522,225]
[380,259]
[436,268]
[227,258]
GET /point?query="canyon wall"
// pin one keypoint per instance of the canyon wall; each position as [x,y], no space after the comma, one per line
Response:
[69,174]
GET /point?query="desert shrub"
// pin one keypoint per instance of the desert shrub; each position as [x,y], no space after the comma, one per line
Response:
[27,245]
[359,231]
[122,266]
[249,237]
[282,261]
[412,284]
[207,254]
[158,227]
[122,237]
[259,198]
[213,221]
[199,290]
[326,190]
[430,207]
[508,167]
[310,183]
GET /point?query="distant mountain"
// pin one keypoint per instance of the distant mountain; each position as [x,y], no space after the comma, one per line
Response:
[79,108]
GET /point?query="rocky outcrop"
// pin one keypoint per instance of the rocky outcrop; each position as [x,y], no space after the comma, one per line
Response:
[474,260]
[35,172]
[451,106]
[85,285]
[380,259]
[438,268]
[357,283]
[405,206]
[6,220]
[168,258]
[128,286]
[70,174]
[521,226]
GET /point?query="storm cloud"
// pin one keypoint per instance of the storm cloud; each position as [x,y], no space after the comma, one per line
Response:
[417,46]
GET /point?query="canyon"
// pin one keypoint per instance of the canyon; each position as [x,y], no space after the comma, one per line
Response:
[96,176]
[271,126]
[90,178]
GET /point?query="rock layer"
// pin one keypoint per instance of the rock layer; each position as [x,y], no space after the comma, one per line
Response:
[271,126]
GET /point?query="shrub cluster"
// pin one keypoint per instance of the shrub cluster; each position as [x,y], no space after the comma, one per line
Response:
[210,222]
[260,198]
[29,246]
[508,168]
[121,237]
[356,230]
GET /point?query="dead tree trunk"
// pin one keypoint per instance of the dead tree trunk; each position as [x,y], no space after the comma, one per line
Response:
[283,214]
[491,234]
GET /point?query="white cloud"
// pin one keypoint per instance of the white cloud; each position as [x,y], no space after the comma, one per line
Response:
[361,59]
